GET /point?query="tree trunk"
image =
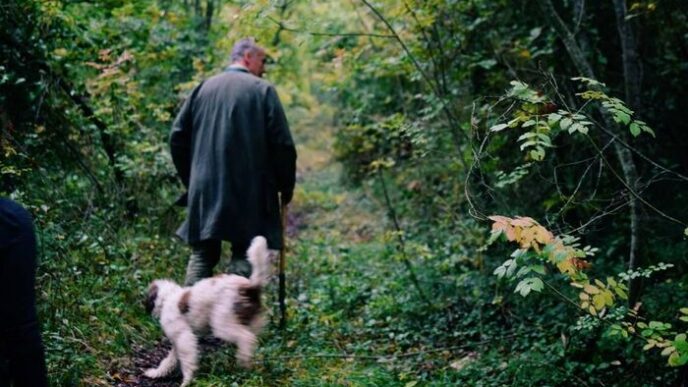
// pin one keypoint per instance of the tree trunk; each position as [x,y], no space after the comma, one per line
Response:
[623,154]
[209,10]
[629,54]
[632,79]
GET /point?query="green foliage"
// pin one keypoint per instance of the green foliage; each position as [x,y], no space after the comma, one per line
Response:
[596,297]
[616,107]
[88,91]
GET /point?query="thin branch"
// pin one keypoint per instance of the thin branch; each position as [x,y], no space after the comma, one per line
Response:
[575,304]
[632,191]
[289,29]
[641,155]
[77,155]
[400,239]
[450,116]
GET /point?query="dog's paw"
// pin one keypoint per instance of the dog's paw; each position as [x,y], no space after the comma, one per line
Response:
[244,361]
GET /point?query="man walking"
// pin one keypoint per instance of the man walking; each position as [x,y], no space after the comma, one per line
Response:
[234,153]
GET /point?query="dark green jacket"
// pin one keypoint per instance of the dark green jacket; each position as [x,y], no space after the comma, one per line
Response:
[233,151]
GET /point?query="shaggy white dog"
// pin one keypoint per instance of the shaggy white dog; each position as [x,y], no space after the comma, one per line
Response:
[226,305]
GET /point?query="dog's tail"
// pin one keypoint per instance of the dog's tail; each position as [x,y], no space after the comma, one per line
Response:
[259,256]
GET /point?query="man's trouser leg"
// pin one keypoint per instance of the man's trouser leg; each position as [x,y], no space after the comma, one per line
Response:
[239,265]
[22,357]
[204,257]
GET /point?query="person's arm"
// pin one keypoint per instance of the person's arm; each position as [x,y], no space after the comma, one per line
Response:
[282,150]
[180,139]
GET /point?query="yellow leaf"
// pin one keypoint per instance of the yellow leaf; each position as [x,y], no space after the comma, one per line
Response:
[525,54]
[608,298]
[668,350]
[527,236]
[598,301]
[566,266]
[591,289]
[584,296]
[542,235]
[523,222]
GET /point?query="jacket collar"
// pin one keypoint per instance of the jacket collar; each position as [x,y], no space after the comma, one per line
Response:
[237,67]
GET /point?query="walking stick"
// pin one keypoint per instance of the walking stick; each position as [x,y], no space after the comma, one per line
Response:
[282,265]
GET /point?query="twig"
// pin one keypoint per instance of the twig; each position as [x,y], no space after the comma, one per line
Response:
[450,116]
[401,246]
[568,300]
[631,190]
[289,29]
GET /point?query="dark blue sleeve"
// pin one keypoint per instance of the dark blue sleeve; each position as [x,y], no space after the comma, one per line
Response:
[15,221]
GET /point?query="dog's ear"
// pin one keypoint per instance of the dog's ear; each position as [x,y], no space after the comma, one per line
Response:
[149,303]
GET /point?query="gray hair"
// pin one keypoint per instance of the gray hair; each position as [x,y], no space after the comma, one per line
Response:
[241,47]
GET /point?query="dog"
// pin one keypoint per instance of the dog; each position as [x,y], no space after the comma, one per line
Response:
[227,305]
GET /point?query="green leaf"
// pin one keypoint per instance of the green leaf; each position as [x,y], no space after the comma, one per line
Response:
[680,343]
[535,32]
[500,271]
[646,128]
[565,123]
[526,136]
[537,284]
[622,294]
[635,129]
[528,123]
[621,117]
[676,360]
[537,154]
[684,310]
[523,271]
[526,285]
[528,143]
[544,139]
[498,127]
[487,63]
[553,118]
[611,281]
[540,269]
[494,235]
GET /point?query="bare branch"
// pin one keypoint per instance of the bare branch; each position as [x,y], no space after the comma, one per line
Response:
[285,28]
